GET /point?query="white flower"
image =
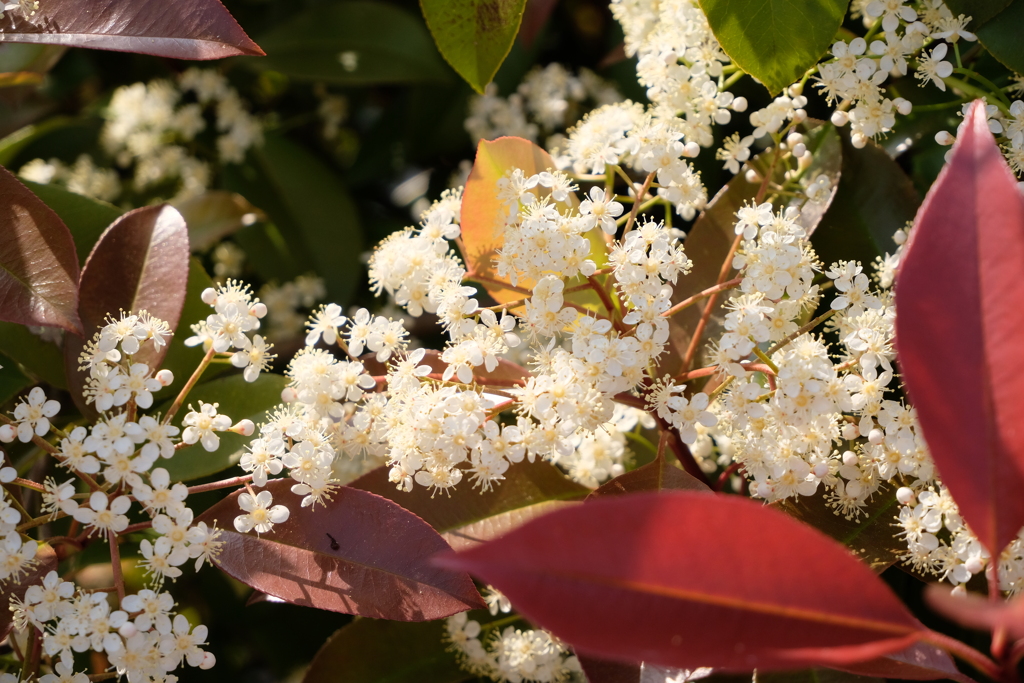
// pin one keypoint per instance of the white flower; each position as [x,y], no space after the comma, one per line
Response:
[259,513]
[201,426]
[325,322]
[181,644]
[254,356]
[33,416]
[101,517]
[600,210]
[932,68]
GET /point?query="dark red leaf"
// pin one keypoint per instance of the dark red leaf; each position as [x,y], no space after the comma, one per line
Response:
[654,476]
[379,568]
[689,580]
[603,671]
[973,611]
[46,562]
[919,662]
[535,17]
[139,263]
[960,298]
[38,266]
[181,29]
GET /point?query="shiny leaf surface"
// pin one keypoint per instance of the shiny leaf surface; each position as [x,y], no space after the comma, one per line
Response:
[960,299]
[380,567]
[180,29]
[616,578]
[38,266]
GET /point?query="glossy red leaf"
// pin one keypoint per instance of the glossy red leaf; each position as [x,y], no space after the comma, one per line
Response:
[960,321]
[38,265]
[919,662]
[181,29]
[46,562]
[687,580]
[380,567]
[139,263]
[974,611]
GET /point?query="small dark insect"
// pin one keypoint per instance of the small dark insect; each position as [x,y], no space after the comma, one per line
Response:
[334,544]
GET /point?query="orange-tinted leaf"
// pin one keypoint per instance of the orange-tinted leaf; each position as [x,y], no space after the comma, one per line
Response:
[960,303]
[362,554]
[46,562]
[686,580]
[659,475]
[182,29]
[38,266]
[482,212]
[526,484]
[139,263]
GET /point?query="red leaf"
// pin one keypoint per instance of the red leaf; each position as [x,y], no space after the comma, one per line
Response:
[919,662]
[139,263]
[379,568]
[974,611]
[535,18]
[689,580]
[181,29]
[38,265]
[960,303]
[46,562]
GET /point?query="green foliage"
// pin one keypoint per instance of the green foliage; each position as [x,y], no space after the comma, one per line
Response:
[377,651]
[775,41]
[336,44]
[41,360]
[474,36]
[1001,36]
[12,380]
[239,400]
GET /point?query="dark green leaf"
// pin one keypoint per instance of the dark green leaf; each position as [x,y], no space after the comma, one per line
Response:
[870,536]
[874,200]
[238,400]
[980,11]
[12,144]
[376,651]
[353,43]
[469,516]
[1001,36]
[12,380]
[311,203]
[42,361]
[474,36]
[86,218]
[775,41]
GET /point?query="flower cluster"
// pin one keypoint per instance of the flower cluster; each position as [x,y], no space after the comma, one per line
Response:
[513,655]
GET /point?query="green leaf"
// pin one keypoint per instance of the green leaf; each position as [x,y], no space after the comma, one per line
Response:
[980,11]
[214,215]
[42,361]
[238,399]
[12,380]
[874,200]
[470,516]
[180,359]
[1001,36]
[86,218]
[353,43]
[311,204]
[378,651]
[474,36]
[870,536]
[12,144]
[775,41]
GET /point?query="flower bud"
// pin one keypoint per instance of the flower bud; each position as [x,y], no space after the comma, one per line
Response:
[799,116]
[691,149]
[289,395]
[209,661]
[739,104]
[903,106]
[127,630]
[905,495]
[850,432]
[849,458]
[8,433]
[209,296]
[840,118]
[258,309]
[752,176]
[799,150]
[944,137]
[796,90]
[244,427]
[876,436]
[165,377]
[764,490]
[974,565]
[794,139]
[821,470]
